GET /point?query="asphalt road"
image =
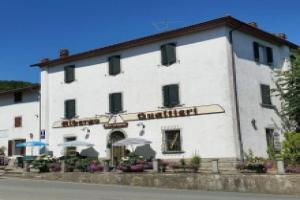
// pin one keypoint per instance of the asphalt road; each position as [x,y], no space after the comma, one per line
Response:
[21,189]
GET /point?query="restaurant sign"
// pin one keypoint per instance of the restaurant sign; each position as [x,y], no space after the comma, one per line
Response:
[121,120]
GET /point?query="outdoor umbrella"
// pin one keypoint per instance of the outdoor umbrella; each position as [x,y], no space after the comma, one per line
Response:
[132,142]
[32,144]
[75,144]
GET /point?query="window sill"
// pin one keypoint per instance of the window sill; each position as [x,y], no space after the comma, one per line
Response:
[269,106]
[173,152]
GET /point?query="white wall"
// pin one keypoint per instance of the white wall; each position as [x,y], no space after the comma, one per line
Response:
[28,110]
[201,72]
[249,77]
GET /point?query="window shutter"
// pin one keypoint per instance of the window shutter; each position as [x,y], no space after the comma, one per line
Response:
[18,122]
[269,55]
[171,53]
[69,74]
[115,103]
[166,96]
[168,54]
[174,95]
[256,51]
[10,147]
[164,58]
[114,65]
[70,109]
[266,94]
[171,95]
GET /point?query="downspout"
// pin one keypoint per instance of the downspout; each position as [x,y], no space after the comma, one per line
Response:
[238,120]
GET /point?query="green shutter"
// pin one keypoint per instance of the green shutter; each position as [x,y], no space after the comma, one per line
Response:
[115,103]
[114,65]
[166,96]
[174,95]
[70,109]
[168,54]
[266,94]
[164,58]
[171,95]
[256,51]
[269,55]
[69,74]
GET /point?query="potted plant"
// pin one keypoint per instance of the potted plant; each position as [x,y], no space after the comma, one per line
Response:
[195,163]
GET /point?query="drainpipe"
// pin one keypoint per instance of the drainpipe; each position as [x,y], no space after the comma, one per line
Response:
[238,121]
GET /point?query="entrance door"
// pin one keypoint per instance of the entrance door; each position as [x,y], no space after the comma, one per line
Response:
[116,152]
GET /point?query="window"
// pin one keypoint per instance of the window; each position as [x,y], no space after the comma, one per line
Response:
[263,54]
[69,74]
[270,137]
[114,65]
[70,109]
[18,122]
[172,141]
[115,103]
[266,96]
[168,54]
[70,151]
[18,97]
[171,95]
[19,150]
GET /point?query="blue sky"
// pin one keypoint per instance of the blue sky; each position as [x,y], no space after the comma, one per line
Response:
[34,29]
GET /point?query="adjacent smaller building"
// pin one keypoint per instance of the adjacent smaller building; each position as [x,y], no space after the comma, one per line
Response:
[19,119]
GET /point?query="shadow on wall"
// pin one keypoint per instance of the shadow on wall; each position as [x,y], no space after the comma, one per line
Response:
[89,152]
[146,151]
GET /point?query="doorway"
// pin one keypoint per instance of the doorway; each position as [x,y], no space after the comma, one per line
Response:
[116,152]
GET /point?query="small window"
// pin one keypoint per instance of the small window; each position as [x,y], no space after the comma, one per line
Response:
[171,95]
[69,74]
[114,65]
[18,122]
[70,109]
[168,54]
[18,97]
[266,96]
[263,54]
[115,103]
[172,141]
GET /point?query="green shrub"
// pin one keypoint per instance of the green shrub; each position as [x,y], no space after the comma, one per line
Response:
[2,150]
[195,162]
[291,147]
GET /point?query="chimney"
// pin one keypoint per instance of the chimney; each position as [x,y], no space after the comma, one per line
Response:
[282,35]
[253,24]
[63,53]
[45,60]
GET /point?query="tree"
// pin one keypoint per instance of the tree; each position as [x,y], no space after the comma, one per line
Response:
[10,85]
[288,90]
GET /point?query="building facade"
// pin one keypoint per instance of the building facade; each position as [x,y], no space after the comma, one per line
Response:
[19,119]
[203,89]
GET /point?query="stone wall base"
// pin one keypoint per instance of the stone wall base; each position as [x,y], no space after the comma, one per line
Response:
[272,184]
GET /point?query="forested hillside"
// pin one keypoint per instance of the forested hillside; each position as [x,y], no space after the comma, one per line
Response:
[9,85]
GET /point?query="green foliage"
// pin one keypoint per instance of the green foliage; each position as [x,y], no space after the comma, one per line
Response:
[182,162]
[195,162]
[2,150]
[271,152]
[250,158]
[288,90]
[10,85]
[42,163]
[83,164]
[291,147]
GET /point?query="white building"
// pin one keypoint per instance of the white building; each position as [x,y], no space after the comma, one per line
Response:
[19,119]
[202,89]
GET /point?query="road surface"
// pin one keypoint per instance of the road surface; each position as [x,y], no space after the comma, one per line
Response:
[21,189]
